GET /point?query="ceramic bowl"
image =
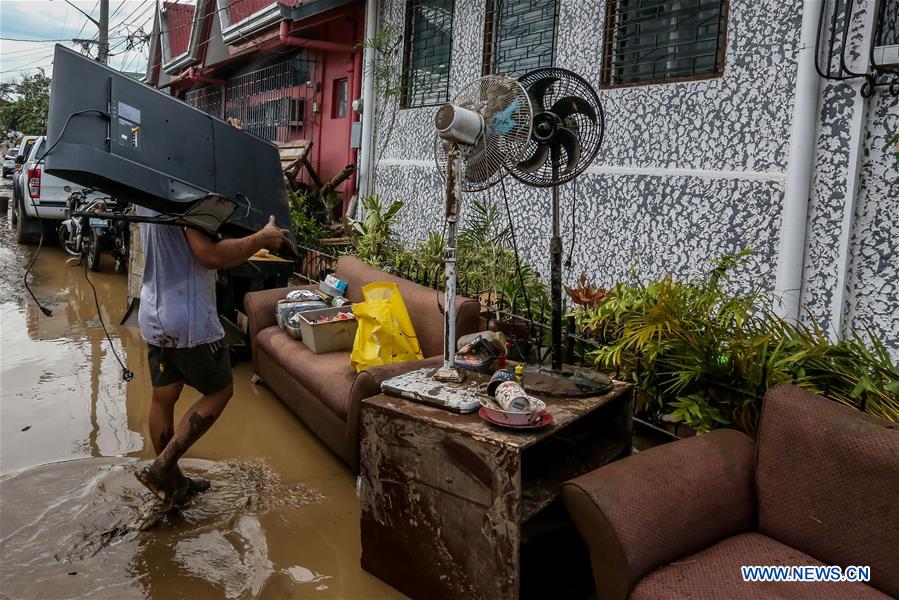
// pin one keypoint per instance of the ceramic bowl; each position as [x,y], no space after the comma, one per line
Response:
[513,418]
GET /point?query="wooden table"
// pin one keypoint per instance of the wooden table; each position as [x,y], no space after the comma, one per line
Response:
[445,496]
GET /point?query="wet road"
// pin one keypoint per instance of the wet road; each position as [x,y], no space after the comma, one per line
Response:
[281,520]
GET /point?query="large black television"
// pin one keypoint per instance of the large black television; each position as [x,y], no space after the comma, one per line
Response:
[114,134]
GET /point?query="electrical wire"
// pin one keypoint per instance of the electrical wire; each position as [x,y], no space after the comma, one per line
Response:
[524,291]
[66,124]
[127,374]
[573,223]
[26,187]
[47,312]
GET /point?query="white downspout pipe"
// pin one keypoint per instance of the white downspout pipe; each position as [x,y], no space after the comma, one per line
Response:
[369,102]
[797,189]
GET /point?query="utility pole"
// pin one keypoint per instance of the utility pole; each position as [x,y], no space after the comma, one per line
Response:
[103,38]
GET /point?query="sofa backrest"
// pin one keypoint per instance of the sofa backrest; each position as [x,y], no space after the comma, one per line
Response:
[424,304]
[827,481]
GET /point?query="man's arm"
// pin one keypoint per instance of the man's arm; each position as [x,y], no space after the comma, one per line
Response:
[224,254]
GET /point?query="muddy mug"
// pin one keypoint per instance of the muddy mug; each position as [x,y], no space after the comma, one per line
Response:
[499,377]
[512,397]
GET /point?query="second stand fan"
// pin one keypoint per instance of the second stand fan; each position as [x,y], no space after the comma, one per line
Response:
[567,130]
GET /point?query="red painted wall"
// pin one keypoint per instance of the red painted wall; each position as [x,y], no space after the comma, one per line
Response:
[333,143]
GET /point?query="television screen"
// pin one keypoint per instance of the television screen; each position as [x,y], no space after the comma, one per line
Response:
[114,134]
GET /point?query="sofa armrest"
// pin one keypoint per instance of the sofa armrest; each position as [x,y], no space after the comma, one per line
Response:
[260,307]
[468,318]
[654,507]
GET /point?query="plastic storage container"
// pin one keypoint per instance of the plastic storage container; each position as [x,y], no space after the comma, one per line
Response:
[331,336]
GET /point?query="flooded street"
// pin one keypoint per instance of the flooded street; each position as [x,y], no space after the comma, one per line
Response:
[280,521]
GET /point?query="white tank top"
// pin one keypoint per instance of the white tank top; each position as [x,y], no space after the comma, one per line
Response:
[177,298]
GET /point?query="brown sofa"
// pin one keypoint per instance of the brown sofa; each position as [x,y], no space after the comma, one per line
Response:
[324,390]
[821,486]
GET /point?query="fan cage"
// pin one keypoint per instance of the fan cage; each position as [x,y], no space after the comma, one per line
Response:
[506,110]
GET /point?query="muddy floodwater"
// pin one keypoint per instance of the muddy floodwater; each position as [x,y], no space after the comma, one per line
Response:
[280,521]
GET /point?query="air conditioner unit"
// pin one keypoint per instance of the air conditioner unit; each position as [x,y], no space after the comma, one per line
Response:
[886,34]
[886,56]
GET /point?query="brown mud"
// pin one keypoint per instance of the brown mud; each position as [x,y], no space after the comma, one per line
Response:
[281,519]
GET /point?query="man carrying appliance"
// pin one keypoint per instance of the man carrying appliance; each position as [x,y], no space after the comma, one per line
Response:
[180,323]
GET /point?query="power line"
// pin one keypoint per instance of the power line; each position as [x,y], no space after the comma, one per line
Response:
[124,21]
[97,3]
[6,39]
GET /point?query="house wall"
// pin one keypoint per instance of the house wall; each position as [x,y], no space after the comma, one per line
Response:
[687,172]
[851,275]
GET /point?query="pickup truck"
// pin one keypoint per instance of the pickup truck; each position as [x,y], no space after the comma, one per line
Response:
[40,198]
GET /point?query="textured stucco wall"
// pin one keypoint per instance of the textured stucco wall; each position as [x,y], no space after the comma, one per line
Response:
[872,282]
[690,171]
[687,172]
[851,261]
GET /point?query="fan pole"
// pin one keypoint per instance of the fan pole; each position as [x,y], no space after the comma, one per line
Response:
[555,253]
[448,372]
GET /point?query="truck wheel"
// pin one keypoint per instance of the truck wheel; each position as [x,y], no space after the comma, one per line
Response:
[93,251]
[26,227]
[15,206]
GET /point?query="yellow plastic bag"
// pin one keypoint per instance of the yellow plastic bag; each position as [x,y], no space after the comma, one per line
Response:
[385,334]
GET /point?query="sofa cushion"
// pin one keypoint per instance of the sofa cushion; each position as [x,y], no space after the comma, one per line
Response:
[329,376]
[715,573]
[827,479]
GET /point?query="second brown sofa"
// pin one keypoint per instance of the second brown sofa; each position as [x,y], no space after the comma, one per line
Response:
[324,390]
[819,487]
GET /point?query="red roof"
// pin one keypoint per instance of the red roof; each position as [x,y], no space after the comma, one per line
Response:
[239,10]
[177,22]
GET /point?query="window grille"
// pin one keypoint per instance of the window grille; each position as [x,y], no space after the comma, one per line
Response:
[653,41]
[270,102]
[207,99]
[888,24]
[519,35]
[427,51]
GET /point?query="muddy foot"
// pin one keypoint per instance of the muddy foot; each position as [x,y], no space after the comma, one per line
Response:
[163,488]
[188,488]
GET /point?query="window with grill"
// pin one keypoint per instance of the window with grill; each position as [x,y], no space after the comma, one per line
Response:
[519,35]
[654,41]
[887,25]
[427,52]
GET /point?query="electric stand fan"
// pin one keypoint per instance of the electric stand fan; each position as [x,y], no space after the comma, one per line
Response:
[482,130]
[485,126]
[567,131]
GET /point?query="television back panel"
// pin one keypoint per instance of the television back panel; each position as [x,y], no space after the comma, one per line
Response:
[144,146]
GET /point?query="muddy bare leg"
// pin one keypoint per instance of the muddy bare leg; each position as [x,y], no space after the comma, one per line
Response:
[162,415]
[193,425]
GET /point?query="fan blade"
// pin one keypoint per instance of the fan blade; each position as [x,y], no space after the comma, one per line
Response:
[567,139]
[479,170]
[537,92]
[533,164]
[570,105]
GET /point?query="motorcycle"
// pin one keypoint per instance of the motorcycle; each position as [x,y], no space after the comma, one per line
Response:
[88,237]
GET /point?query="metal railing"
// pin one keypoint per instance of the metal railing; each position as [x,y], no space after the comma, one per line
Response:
[274,102]
[528,335]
